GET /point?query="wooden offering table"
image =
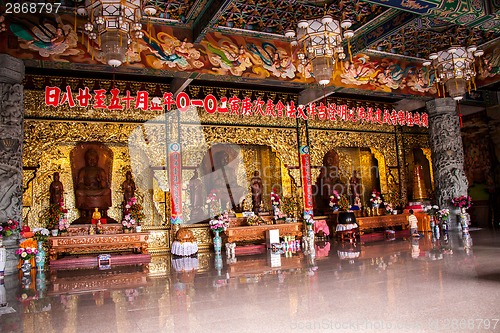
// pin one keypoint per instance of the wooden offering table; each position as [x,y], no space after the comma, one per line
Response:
[258,232]
[382,221]
[102,243]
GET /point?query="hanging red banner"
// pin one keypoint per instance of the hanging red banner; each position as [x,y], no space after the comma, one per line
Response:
[174,173]
[232,106]
[305,172]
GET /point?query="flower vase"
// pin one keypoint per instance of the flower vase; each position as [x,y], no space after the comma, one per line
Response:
[55,232]
[217,242]
[40,283]
[3,295]
[218,263]
[26,267]
[436,231]
[310,236]
[40,257]
[3,259]
[444,226]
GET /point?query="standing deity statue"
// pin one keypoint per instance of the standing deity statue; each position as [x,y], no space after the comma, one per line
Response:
[128,187]
[256,186]
[56,191]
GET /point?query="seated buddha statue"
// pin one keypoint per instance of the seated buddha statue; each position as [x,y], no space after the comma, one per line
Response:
[92,188]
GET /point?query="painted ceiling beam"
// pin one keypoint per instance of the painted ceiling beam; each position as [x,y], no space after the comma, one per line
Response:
[312,95]
[208,18]
[180,84]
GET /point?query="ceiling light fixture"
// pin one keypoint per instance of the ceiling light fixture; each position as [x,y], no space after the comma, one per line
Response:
[320,44]
[113,25]
[455,69]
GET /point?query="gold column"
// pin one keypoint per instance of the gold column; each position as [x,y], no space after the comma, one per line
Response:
[427,153]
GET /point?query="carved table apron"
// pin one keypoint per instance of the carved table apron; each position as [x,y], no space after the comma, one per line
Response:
[258,232]
[86,244]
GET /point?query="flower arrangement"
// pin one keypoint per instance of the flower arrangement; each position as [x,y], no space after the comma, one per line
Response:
[128,222]
[462,201]
[394,200]
[9,228]
[212,197]
[133,214]
[334,199]
[41,234]
[63,224]
[213,203]
[221,223]
[344,203]
[275,198]
[376,198]
[27,249]
[308,219]
[388,208]
[443,214]
[289,206]
[53,215]
[278,214]
[431,210]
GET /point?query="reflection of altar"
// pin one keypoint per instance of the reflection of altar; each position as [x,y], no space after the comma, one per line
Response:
[87,281]
[262,265]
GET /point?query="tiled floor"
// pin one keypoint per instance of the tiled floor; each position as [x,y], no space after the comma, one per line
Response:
[389,286]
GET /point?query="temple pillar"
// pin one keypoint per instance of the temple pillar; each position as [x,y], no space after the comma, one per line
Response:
[447,154]
[11,139]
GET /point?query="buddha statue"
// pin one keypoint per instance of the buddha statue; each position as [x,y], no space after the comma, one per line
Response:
[92,188]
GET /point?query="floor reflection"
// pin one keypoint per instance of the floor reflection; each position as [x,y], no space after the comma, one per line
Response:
[179,292]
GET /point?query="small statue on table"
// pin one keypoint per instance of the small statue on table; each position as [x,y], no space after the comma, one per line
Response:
[354,187]
[256,186]
[196,197]
[56,190]
[128,188]
[357,203]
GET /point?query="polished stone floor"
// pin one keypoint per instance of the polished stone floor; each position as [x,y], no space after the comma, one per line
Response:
[403,285]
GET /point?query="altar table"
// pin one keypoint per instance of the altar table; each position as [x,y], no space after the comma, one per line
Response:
[258,232]
[87,244]
[382,221]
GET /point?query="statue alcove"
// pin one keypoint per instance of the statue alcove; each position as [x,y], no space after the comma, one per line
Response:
[91,196]
[218,173]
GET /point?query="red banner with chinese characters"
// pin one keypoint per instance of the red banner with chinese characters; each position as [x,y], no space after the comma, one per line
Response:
[305,172]
[232,106]
[174,178]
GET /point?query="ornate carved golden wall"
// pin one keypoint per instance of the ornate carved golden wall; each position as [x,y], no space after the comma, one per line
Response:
[138,141]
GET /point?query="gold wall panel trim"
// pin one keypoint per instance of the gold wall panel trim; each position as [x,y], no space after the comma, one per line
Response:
[159,241]
[202,234]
